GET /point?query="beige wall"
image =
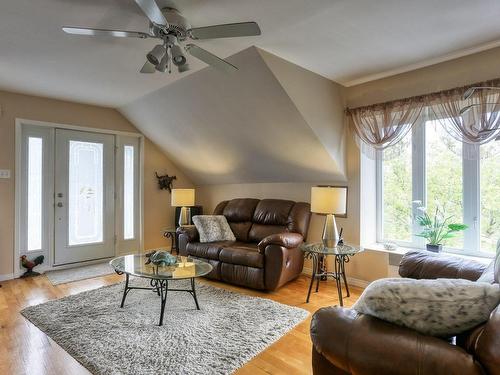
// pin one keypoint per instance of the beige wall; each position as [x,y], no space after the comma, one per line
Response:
[157,210]
[454,73]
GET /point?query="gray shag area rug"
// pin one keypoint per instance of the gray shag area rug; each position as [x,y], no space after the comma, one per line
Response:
[227,332]
[79,273]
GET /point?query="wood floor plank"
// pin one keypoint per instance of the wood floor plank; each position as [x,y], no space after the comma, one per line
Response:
[25,350]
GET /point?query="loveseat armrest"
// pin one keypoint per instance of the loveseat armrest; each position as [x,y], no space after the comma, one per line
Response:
[186,234]
[360,344]
[190,232]
[287,239]
[426,265]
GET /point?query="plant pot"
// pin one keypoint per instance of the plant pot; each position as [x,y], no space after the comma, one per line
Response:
[434,248]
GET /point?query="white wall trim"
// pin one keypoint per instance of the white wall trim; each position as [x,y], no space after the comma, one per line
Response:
[77,127]
[7,276]
[19,122]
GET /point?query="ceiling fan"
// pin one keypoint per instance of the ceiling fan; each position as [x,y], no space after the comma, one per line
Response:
[172,29]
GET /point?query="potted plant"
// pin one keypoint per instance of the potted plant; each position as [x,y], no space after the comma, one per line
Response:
[438,229]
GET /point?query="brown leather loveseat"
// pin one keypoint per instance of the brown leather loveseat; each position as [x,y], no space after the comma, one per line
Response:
[347,342]
[266,253]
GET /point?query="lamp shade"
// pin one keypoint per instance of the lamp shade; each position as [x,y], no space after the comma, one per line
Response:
[182,197]
[328,200]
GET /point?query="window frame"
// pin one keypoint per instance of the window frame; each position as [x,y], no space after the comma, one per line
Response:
[47,193]
[471,195]
[128,245]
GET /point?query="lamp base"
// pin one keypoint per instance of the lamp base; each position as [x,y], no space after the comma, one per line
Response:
[330,234]
[185,216]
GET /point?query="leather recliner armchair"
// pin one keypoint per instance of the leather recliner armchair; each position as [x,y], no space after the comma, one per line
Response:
[347,342]
[266,253]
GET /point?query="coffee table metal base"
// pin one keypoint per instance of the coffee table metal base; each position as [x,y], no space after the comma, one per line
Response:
[160,286]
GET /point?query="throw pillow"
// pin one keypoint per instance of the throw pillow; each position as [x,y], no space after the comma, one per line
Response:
[442,307]
[213,228]
[489,273]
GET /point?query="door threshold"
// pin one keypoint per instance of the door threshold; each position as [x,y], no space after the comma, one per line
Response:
[83,263]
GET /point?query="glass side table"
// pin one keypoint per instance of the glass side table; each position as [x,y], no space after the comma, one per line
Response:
[317,253]
[172,234]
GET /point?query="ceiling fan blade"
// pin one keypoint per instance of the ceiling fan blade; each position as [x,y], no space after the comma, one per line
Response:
[228,30]
[104,32]
[152,11]
[210,58]
[148,68]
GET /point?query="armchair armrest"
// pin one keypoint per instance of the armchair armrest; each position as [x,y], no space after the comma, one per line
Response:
[425,265]
[286,239]
[190,232]
[360,344]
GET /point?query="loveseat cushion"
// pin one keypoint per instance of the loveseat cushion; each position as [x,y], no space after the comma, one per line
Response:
[272,212]
[239,213]
[207,250]
[244,254]
[259,231]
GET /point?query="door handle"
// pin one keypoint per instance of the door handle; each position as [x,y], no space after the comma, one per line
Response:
[59,204]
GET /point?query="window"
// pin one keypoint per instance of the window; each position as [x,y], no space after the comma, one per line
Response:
[430,167]
[490,196]
[444,179]
[34,196]
[86,195]
[128,227]
[128,192]
[397,185]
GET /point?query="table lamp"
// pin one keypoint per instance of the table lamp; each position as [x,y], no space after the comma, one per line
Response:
[329,200]
[183,198]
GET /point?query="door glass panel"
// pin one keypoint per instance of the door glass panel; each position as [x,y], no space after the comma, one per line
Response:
[490,191]
[34,193]
[85,200]
[128,192]
[444,178]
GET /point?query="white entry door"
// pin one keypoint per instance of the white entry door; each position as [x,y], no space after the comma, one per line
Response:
[84,196]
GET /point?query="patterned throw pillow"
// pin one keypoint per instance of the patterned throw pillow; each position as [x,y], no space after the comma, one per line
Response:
[213,228]
[442,307]
[489,273]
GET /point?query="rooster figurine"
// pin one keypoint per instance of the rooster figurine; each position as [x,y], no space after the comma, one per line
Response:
[30,264]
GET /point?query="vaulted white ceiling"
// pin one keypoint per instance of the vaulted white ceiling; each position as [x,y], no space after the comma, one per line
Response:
[348,41]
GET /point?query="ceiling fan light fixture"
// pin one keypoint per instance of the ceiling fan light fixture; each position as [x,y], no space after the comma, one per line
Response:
[183,68]
[163,64]
[156,54]
[471,90]
[178,57]
[468,93]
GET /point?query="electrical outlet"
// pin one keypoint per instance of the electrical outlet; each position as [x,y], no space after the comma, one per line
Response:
[4,173]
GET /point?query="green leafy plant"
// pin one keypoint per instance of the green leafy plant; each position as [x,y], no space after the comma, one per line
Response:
[438,228]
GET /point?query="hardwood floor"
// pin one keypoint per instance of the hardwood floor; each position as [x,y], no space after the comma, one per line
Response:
[24,349]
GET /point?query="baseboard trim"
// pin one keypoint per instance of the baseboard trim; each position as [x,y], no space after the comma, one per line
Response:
[8,276]
[351,280]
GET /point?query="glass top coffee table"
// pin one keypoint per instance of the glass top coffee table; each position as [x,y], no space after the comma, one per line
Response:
[159,276]
[317,252]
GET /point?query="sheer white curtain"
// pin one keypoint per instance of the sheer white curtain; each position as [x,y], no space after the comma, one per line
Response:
[380,126]
[479,124]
